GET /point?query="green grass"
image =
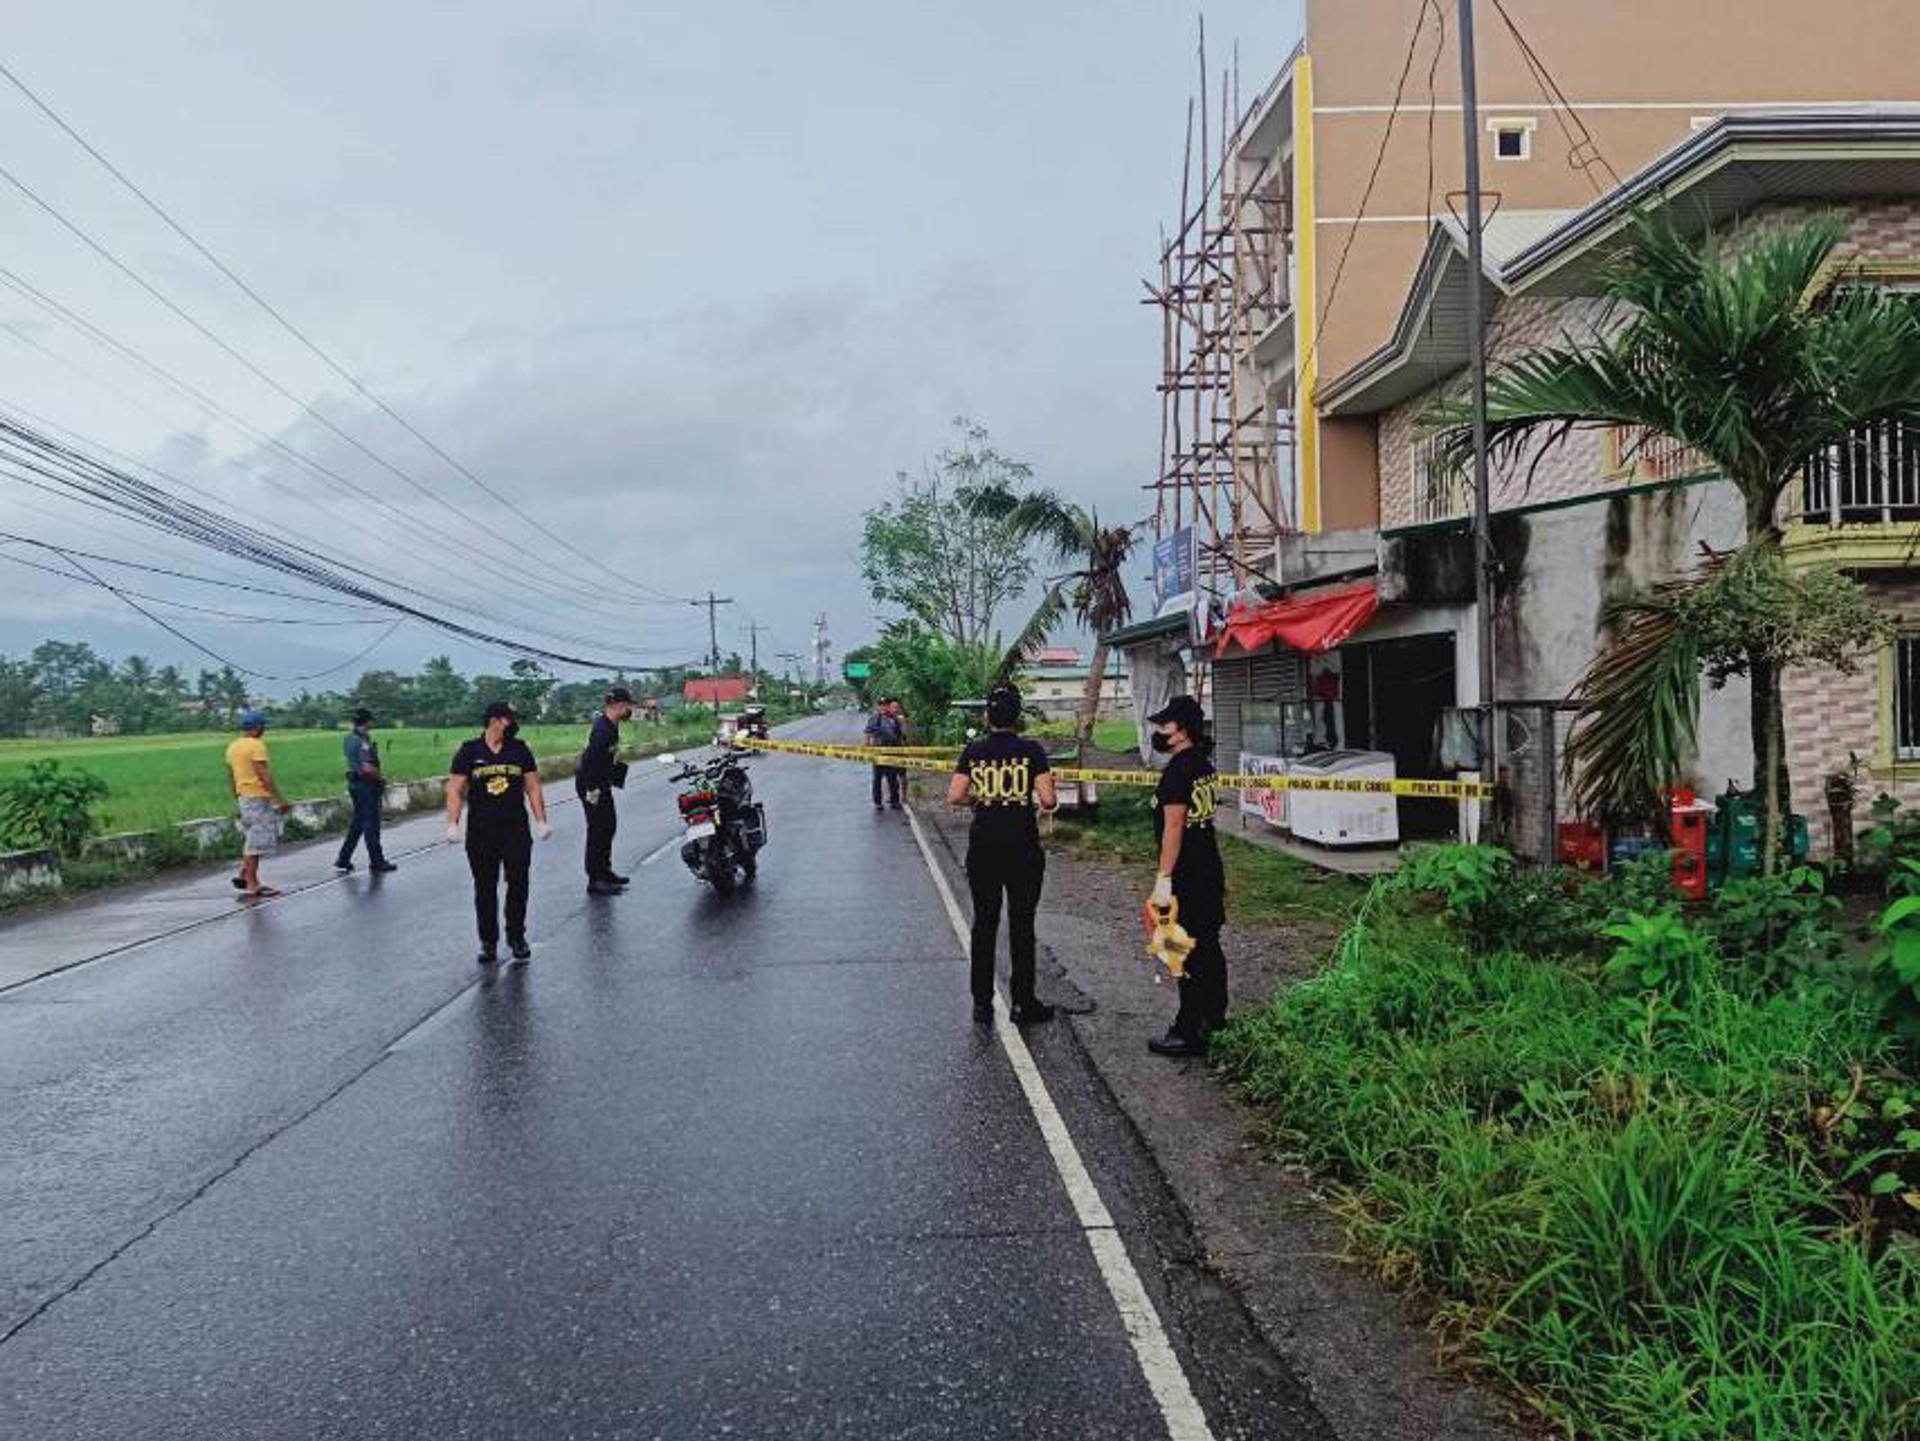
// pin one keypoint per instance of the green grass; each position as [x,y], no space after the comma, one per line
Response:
[154,781]
[1625,1212]
[1262,884]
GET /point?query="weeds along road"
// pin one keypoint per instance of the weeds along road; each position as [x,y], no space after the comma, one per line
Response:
[702,1168]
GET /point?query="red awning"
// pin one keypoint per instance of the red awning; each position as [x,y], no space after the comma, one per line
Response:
[1308,622]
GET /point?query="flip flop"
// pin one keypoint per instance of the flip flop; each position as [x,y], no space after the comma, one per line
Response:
[236,883]
[265,893]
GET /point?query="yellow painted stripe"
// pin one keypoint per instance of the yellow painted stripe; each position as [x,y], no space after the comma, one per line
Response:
[1306,419]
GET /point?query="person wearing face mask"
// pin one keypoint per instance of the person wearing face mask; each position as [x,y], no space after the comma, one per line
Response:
[1190,872]
[495,777]
[1003,777]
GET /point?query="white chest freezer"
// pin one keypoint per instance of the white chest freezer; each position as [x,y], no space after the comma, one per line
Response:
[1344,818]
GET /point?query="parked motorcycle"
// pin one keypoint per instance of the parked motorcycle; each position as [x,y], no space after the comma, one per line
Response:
[726,826]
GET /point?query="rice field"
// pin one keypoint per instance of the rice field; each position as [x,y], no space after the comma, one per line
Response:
[158,780]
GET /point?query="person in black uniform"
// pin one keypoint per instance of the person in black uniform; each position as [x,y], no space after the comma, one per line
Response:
[1002,776]
[1190,872]
[601,772]
[497,779]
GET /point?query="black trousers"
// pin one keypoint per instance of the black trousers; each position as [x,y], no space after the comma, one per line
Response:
[602,822]
[891,775]
[1203,990]
[366,821]
[488,857]
[1018,875]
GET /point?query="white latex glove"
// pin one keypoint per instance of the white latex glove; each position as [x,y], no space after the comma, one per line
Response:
[592,798]
[545,832]
[453,832]
[1162,896]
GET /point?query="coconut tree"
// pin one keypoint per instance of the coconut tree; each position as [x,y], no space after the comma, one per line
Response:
[1094,590]
[1741,355]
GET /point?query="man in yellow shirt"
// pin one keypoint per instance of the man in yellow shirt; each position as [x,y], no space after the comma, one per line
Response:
[261,804]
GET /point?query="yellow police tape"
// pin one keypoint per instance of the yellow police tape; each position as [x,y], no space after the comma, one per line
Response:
[941,758]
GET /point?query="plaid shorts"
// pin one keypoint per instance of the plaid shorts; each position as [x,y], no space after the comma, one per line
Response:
[260,825]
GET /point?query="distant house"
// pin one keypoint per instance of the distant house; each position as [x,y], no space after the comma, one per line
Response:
[1053,655]
[716,690]
[1057,688]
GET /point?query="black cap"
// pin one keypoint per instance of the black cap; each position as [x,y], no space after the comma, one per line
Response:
[1183,711]
[619,695]
[363,717]
[1003,706]
[498,709]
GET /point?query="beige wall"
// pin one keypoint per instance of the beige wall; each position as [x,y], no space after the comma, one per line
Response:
[1637,71]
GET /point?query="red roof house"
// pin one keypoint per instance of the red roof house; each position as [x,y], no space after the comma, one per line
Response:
[716,690]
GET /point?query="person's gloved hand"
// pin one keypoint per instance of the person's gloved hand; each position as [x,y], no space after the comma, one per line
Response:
[1162,895]
[453,832]
[592,797]
[545,832]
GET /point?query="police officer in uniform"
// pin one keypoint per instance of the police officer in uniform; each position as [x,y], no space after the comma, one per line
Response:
[601,772]
[496,778]
[1002,776]
[1190,872]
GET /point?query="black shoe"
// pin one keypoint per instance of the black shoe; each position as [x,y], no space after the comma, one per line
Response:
[605,888]
[895,805]
[486,957]
[878,807]
[521,950]
[343,865]
[616,879]
[1175,1044]
[1033,1013]
[239,882]
[380,868]
[983,1013]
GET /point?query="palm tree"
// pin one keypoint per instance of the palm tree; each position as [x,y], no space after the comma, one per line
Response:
[1094,590]
[1732,354]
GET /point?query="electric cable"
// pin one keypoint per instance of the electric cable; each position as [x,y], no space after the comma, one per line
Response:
[313,347]
[1373,176]
[261,438]
[266,379]
[1561,109]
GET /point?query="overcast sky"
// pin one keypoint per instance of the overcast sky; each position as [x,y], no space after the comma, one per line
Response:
[690,281]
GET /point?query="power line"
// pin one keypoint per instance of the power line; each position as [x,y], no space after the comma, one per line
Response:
[211,612]
[327,359]
[431,538]
[208,651]
[512,558]
[1562,110]
[1373,176]
[104,485]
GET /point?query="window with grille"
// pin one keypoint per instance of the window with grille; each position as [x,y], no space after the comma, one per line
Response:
[1440,491]
[1906,698]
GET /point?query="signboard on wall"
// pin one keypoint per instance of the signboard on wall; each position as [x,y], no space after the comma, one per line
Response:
[1270,806]
[1173,565]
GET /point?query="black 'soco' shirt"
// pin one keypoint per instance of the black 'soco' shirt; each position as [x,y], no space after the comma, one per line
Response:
[496,786]
[1199,882]
[1003,768]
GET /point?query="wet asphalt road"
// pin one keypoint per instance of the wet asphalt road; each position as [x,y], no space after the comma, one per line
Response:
[703,1168]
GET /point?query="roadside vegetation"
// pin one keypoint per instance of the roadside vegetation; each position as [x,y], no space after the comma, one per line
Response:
[1659,1171]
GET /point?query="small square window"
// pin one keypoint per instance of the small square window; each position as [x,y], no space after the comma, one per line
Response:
[1512,138]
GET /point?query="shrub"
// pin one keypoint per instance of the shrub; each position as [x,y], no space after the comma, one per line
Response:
[48,805]
[1895,976]
[1659,953]
[1777,927]
[1655,1232]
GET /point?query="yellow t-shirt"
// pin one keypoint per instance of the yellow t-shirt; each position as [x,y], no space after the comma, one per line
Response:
[241,754]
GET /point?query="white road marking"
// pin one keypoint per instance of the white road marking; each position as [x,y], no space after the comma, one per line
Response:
[1180,1410]
[666,850]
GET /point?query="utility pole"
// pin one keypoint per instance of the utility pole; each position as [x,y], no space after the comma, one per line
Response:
[1483,558]
[713,603]
[792,660]
[753,629]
